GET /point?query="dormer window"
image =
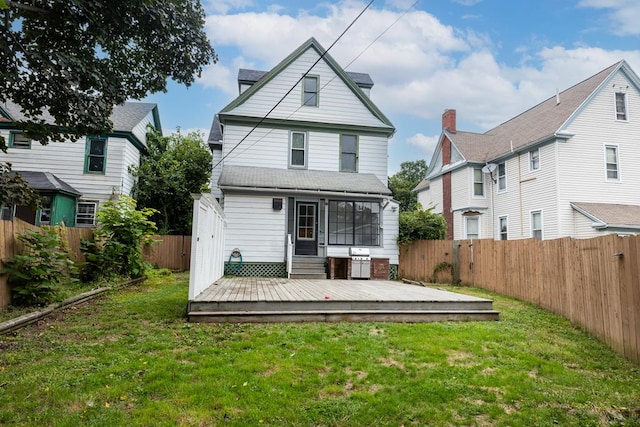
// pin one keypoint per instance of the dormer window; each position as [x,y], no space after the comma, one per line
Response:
[310,91]
[621,106]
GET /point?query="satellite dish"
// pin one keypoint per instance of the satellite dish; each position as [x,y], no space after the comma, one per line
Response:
[489,168]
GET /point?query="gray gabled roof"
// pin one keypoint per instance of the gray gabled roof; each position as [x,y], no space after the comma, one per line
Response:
[537,124]
[610,215]
[257,179]
[215,134]
[46,181]
[125,117]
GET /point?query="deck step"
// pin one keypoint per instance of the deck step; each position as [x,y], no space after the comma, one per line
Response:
[417,316]
[308,275]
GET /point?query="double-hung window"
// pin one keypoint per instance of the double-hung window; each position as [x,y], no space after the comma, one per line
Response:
[502,177]
[298,153]
[478,182]
[611,163]
[18,140]
[86,214]
[96,155]
[348,153]
[310,90]
[621,106]
[536,224]
[502,227]
[534,159]
[472,227]
[354,223]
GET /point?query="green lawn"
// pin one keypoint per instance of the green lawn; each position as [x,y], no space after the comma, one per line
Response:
[130,359]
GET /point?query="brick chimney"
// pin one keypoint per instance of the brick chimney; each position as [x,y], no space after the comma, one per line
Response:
[449,120]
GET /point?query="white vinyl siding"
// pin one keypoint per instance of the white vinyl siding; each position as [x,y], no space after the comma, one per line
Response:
[432,197]
[338,103]
[255,228]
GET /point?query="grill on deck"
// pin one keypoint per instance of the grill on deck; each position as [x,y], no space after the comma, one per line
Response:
[360,263]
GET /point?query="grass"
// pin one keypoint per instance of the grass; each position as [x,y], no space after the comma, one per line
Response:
[131,359]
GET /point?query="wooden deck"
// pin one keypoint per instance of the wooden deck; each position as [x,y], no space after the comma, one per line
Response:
[254,299]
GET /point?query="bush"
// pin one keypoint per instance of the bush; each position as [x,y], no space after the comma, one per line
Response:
[117,246]
[38,272]
[421,225]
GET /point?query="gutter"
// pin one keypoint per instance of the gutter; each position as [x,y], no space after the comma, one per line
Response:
[305,192]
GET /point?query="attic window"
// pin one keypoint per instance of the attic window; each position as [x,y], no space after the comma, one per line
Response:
[621,106]
[310,91]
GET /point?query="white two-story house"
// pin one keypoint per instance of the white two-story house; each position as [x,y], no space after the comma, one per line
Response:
[566,167]
[76,177]
[301,155]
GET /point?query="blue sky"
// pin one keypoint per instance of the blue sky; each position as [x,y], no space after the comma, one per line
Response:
[488,59]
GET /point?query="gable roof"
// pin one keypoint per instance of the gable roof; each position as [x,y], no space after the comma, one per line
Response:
[312,43]
[215,134]
[46,181]
[537,124]
[124,117]
[610,215]
[301,180]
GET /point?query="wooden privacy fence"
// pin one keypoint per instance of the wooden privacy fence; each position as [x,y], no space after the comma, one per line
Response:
[595,283]
[173,252]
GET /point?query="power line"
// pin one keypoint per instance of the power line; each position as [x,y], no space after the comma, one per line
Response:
[263,118]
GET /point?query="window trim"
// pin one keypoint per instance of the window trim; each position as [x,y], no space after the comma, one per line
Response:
[501,178]
[342,169]
[305,149]
[616,148]
[332,237]
[87,155]
[316,77]
[506,232]
[531,229]
[473,184]
[625,111]
[531,160]
[466,226]
[12,136]
[95,210]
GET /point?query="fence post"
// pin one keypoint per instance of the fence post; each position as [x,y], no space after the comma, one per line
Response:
[456,262]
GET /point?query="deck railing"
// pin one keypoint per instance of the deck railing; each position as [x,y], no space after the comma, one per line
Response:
[289,255]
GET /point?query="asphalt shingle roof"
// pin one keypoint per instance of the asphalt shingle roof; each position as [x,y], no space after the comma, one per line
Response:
[614,215]
[215,134]
[46,181]
[301,180]
[536,124]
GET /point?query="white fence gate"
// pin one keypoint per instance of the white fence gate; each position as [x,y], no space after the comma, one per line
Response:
[207,244]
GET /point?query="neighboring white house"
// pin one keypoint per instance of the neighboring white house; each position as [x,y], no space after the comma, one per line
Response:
[302,153]
[92,169]
[566,167]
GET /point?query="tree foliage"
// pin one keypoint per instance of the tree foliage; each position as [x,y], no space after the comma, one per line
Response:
[421,224]
[75,59]
[176,166]
[14,190]
[402,183]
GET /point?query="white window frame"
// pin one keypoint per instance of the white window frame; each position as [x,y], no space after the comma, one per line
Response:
[501,179]
[316,93]
[305,150]
[616,149]
[532,230]
[625,111]
[534,162]
[506,232]
[474,182]
[86,216]
[467,219]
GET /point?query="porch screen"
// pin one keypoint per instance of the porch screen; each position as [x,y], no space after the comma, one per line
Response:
[354,223]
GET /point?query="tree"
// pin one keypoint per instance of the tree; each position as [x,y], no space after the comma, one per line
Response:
[74,60]
[402,183]
[14,190]
[421,224]
[175,167]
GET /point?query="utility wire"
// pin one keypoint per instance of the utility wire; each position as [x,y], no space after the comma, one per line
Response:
[295,85]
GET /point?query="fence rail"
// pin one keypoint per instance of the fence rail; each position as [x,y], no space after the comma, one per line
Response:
[173,252]
[595,283]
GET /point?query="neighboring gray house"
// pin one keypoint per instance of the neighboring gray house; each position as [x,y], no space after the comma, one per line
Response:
[566,167]
[95,168]
[309,164]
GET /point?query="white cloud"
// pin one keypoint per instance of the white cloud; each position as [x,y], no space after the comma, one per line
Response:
[426,143]
[623,17]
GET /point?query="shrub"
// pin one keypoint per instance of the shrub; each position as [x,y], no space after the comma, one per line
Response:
[421,225]
[38,272]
